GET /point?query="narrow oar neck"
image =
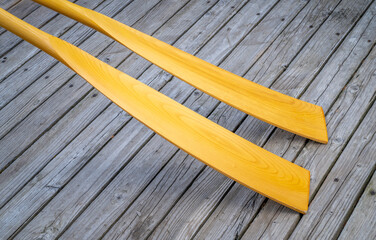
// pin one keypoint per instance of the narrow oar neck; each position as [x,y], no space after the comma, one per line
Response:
[27,32]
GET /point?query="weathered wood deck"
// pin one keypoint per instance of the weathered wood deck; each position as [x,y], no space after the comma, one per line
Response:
[75,166]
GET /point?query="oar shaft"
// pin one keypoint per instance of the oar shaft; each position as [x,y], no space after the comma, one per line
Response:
[27,32]
[235,157]
[71,10]
[283,111]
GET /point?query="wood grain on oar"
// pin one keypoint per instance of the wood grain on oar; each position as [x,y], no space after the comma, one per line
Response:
[280,110]
[235,157]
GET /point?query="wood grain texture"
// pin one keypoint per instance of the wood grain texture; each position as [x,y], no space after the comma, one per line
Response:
[30,161]
[20,9]
[156,79]
[32,194]
[323,90]
[207,24]
[288,113]
[343,186]
[14,78]
[78,180]
[157,200]
[74,87]
[78,87]
[362,221]
[17,136]
[217,147]
[174,88]
[8,4]
[133,175]
[251,128]
[344,116]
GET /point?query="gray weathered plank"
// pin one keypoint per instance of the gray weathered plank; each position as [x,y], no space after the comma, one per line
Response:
[78,83]
[342,118]
[177,92]
[362,222]
[99,211]
[182,17]
[138,221]
[20,8]
[344,184]
[17,180]
[52,107]
[66,163]
[31,12]
[15,176]
[171,222]
[145,215]
[8,4]
[37,64]
[323,91]
[42,18]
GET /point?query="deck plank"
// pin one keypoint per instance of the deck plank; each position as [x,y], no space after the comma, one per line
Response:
[344,184]
[323,91]
[257,133]
[166,35]
[37,64]
[8,4]
[19,8]
[45,100]
[33,194]
[343,118]
[132,222]
[42,18]
[131,175]
[80,167]
[362,221]
[76,84]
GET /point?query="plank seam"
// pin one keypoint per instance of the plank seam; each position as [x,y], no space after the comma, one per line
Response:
[2,31]
[58,188]
[336,159]
[268,47]
[144,143]
[339,43]
[151,136]
[43,24]
[334,101]
[39,52]
[39,76]
[14,4]
[214,108]
[86,94]
[355,203]
[303,47]
[339,188]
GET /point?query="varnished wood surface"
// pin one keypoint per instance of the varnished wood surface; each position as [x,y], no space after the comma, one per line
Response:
[281,110]
[76,166]
[217,147]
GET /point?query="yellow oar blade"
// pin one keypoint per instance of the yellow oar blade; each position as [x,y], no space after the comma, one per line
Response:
[214,145]
[288,113]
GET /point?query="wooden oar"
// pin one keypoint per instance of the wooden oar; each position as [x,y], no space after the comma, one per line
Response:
[288,113]
[235,157]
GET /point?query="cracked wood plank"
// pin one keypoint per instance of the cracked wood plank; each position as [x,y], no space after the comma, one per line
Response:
[342,187]
[180,222]
[181,16]
[45,101]
[343,117]
[15,87]
[323,91]
[19,8]
[362,221]
[129,183]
